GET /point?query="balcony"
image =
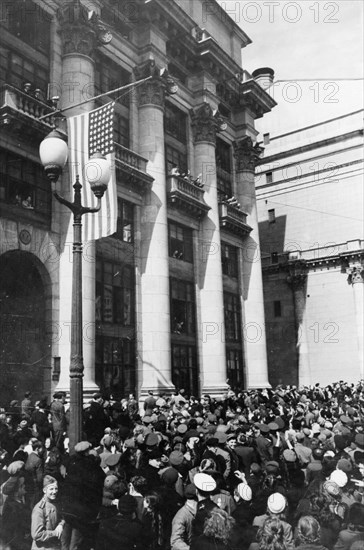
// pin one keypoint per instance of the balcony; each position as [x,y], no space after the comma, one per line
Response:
[187,196]
[131,169]
[19,113]
[233,220]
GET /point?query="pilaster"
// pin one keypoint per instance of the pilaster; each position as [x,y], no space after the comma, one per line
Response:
[355,273]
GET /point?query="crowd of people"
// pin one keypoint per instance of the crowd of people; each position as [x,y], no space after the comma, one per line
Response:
[268,469]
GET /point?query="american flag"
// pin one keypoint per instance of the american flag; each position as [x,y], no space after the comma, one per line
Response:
[88,133]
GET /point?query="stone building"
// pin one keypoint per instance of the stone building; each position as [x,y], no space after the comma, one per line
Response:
[310,208]
[174,298]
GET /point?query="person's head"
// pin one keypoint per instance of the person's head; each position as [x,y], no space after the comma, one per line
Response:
[138,484]
[152,502]
[15,487]
[276,504]
[308,530]
[356,515]
[243,493]
[127,506]
[218,525]
[50,488]
[271,535]
[48,443]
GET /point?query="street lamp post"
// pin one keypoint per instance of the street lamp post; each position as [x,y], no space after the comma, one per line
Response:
[53,153]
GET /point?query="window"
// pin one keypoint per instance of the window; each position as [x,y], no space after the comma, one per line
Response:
[180,243]
[24,183]
[269,177]
[274,257]
[115,366]
[182,307]
[28,22]
[125,222]
[175,159]
[229,258]
[109,76]
[277,308]
[175,123]
[272,215]
[184,368]
[223,168]
[114,293]
[16,70]
[266,139]
[232,317]
[121,130]
[234,368]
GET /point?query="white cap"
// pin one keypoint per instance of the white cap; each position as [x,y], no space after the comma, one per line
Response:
[276,503]
[339,477]
[245,492]
[204,482]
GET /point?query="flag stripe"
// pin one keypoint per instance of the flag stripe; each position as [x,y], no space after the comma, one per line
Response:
[94,130]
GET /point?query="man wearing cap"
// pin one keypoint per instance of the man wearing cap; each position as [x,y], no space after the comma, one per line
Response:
[47,524]
[181,535]
[150,403]
[96,419]
[26,407]
[58,415]
[205,486]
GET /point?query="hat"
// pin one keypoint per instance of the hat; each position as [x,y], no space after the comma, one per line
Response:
[147,419]
[49,480]
[182,428]
[255,468]
[204,482]
[151,439]
[15,467]
[272,467]
[129,443]
[318,454]
[331,488]
[345,465]
[169,476]
[109,481]
[359,440]
[314,466]
[339,477]
[23,424]
[345,419]
[176,458]
[127,504]
[211,417]
[273,426]
[82,446]
[212,442]
[245,492]
[340,442]
[190,491]
[276,503]
[289,455]
[280,422]
[112,460]
[264,428]
[96,395]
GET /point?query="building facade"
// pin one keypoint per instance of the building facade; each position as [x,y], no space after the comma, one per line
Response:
[174,298]
[310,209]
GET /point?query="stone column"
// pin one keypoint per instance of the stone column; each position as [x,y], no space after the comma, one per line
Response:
[255,348]
[356,280]
[211,298]
[79,39]
[154,325]
[297,279]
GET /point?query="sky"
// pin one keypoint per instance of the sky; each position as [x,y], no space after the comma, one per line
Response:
[316,50]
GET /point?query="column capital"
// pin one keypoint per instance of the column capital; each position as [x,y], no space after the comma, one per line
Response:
[160,85]
[247,154]
[355,274]
[205,123]
[81,29]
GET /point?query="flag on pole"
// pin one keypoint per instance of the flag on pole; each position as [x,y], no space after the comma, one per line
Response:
[89,133]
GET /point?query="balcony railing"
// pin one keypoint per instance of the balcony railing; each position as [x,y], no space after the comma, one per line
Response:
[233,219]
[186,195]
[17,108]
[133,169]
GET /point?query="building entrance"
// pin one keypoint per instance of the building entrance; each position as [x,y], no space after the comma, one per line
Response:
[23,345]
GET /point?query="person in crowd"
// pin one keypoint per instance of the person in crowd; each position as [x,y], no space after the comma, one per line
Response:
[271,536]
[217,530]
[47,523]
[308,534]
[58,418]
[15,519]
